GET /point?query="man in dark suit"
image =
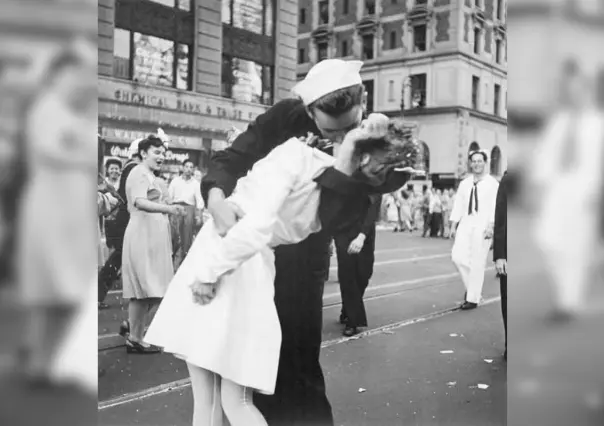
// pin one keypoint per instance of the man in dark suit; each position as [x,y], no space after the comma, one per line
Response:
[355,249]
[500,250]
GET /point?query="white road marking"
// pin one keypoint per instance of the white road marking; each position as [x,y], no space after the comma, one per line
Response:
[377,252]
[336,294]
[185,383]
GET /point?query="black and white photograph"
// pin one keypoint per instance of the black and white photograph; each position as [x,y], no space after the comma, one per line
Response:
[302,212]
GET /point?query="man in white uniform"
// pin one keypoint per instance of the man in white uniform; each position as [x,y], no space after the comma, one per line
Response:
[472,222]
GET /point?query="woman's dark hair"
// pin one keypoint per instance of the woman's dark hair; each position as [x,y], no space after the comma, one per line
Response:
[397,142]
[148,142]
[111,162]
[340,102]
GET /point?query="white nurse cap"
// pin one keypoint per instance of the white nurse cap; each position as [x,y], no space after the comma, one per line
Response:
[133,148]
[326,77]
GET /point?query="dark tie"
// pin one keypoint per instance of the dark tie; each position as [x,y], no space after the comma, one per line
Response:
[570,150]
[473,205]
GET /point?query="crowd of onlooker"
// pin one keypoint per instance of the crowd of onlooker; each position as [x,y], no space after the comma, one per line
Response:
[407,210]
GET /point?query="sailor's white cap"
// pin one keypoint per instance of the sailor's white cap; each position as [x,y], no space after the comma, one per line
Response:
[326,77]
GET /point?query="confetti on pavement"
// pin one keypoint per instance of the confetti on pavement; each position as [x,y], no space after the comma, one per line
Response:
[361,390]
[446,352]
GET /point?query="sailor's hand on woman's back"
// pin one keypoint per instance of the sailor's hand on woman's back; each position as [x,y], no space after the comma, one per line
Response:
[224,213]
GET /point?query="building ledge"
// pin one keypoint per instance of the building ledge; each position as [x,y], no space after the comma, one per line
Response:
[457,110]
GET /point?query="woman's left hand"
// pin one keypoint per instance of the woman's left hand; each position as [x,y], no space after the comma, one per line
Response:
[203,293]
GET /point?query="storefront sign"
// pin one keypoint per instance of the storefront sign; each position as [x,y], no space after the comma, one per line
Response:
[187,102]
[127,136]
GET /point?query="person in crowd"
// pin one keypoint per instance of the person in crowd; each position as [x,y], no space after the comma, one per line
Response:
[111,270]
[113,171]
[436,212]
[425,209]
[236,338]
[329,102]
[500,250]
[392,212]
[447,205]
[405,210]
[197,175]
[472,221]
[355,249]
[147,267]
[186,192]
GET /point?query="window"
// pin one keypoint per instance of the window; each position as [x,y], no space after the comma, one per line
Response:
[370,7]
[151,60]
[418,90]
[321,51]
[301,55]
[498,51]
[392,39]
[393,1]
[368,46]
[121,53]
[390,91]
[369,89]
[345,7]
[344,48]
[497,96]
[323,12]
[477,3]
[420,2]
[500,10]
[419,38]
[255,16]
[247,81]
[475,89]
[181,4]
[302,16]
[477,41]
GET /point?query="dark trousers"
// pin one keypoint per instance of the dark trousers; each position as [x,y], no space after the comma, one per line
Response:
[426,216]
[503,287]
[109,273]
[300,396]
[354,273]
[435,224]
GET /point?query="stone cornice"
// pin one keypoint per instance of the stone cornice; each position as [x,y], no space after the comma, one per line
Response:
[368,25]
[420,14]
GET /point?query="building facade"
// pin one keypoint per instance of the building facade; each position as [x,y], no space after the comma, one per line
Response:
[194,68]
[439,63]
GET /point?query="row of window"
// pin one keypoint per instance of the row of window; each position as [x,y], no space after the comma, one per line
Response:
[479,40]
[419,45]
[153,60]
[418,93]
[369,9]
[496,96]
[368,49]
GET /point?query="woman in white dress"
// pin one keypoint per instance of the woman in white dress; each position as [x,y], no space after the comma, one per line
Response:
[232,344]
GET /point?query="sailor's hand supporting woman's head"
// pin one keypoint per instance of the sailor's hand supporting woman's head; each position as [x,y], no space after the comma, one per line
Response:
[375,148]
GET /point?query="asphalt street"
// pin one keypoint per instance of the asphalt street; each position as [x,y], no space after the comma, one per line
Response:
[420,361]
